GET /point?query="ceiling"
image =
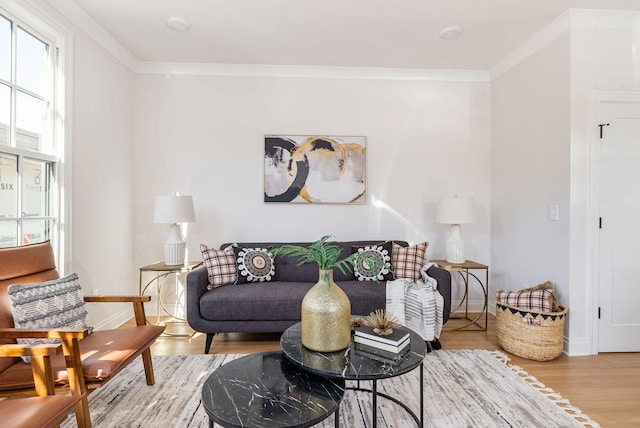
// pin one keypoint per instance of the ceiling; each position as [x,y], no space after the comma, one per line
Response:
[350,33]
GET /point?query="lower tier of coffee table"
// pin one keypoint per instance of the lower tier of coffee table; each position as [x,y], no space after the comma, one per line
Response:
[266,390]
[351,365]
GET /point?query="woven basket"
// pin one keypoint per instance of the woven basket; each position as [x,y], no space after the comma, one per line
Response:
[540,342]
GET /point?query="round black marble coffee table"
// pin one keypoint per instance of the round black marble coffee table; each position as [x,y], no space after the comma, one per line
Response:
[266,390]
[349,364]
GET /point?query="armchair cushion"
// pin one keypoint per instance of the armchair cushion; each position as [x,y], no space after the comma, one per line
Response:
[103,353]
[51,304]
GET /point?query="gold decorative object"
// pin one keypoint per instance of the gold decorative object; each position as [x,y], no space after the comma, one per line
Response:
[326,316]
[356,322]
[326,309]
[382,322]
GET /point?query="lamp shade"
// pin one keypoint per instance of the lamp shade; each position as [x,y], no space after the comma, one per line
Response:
[173,209]
[455,210]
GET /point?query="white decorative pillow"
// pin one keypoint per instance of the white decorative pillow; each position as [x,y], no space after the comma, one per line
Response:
[52,304]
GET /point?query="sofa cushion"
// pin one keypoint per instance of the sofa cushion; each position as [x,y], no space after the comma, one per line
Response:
[407,261]
[266,302]
[382,272]
[220,264]
[254,265]
[52,304]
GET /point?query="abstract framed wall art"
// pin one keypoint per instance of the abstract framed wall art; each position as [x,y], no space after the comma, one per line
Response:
[315,169]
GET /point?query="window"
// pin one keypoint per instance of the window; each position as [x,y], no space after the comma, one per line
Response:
[29,208]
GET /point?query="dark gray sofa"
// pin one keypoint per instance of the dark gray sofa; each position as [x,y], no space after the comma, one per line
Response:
[272,307]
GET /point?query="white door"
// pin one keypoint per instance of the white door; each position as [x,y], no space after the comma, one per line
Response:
[619,230]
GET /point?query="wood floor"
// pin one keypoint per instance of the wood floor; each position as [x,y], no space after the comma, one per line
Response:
[605,386]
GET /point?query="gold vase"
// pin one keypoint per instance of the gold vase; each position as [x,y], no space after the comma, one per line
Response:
[326,316]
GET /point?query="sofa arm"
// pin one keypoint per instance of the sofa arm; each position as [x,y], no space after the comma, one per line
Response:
[197,282]
[444,287]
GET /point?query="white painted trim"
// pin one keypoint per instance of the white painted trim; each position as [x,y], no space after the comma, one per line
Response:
[475,306]
[550,32]
[60,36]
[79,17]
[605,19]
[577,348]
[114,320]
[316,72]
[591,347]
[572,18]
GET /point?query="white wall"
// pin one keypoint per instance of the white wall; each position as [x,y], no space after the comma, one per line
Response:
[203,136]
[530,161]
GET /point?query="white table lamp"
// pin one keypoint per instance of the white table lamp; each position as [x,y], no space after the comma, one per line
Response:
[174,210]
[455,211]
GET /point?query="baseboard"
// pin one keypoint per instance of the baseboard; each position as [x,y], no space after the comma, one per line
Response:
[577,347]
[115,320]
[475,306]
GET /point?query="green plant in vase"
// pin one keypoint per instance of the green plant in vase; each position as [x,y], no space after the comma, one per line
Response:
[326,309]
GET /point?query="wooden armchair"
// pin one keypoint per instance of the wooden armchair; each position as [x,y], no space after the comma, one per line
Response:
[87,360]
[47,410]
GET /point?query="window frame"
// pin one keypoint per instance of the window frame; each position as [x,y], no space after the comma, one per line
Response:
[56,134]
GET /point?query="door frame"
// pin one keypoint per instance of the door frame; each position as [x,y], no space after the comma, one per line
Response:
[593,236]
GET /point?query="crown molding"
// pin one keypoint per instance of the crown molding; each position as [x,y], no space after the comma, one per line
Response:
[572,18]
[550,32]
[75,14]
[316,72]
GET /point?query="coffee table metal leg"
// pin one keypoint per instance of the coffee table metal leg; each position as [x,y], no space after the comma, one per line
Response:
[421,395]
[375,403]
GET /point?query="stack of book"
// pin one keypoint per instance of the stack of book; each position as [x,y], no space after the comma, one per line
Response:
[388,348]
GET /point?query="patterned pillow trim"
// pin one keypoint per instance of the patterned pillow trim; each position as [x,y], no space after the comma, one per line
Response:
[407,261]
[221,266]
[254,265]
[52,304]
[382,272]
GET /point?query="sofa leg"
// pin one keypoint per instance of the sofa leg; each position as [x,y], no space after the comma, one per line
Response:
[207,345]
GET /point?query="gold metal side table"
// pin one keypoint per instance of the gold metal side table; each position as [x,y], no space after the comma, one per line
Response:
[161,271]
[465,271]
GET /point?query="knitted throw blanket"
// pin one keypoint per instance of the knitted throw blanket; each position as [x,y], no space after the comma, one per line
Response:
[417,304]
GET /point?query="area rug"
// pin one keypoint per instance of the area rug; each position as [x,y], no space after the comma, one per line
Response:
[463,388]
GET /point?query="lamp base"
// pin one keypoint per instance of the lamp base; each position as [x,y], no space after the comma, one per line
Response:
[455,246]
[455,252]
[174,253]
[174,247]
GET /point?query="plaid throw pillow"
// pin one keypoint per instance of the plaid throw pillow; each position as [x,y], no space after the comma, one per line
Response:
[531,300]
[221,266]
[407,261]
